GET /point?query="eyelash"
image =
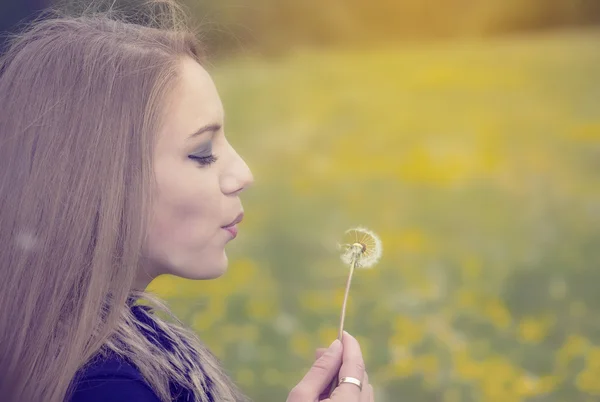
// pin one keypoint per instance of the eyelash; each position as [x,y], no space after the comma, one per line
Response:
[204,160]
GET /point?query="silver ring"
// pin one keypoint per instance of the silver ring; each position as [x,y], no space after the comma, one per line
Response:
[351,380]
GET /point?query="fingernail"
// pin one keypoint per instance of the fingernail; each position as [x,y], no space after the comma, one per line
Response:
[335,346]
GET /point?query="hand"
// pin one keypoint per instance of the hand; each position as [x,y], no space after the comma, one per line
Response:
[344,358]
[366,395]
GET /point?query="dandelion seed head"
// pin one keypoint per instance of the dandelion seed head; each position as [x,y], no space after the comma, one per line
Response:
[362,244]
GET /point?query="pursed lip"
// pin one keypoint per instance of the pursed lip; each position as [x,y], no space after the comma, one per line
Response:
[237,220]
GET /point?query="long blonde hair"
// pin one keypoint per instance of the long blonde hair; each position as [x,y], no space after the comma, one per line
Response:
[81,100]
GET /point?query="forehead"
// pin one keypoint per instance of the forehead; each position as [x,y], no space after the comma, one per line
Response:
[193,103]
[198,89]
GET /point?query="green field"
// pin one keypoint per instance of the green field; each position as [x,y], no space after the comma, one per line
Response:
[478,164]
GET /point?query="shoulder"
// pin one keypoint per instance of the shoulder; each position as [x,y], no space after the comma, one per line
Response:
[111,379]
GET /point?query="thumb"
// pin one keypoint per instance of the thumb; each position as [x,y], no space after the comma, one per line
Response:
[319,376]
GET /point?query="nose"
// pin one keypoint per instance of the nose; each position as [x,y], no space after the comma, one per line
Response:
[238,176]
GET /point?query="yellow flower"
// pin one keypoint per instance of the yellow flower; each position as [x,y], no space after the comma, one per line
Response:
[533,329]
[245,377]
[300,344]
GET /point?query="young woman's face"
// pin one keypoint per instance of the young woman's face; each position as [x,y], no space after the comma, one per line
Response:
[199,179]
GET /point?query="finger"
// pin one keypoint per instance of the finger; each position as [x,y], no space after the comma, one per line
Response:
[319,352]
[325,394]
[352,366]
[319,375]
[366,394]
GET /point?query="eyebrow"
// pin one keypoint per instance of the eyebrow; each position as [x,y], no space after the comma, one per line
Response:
[208,128]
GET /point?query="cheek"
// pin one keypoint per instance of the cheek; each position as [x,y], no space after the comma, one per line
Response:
[185,205]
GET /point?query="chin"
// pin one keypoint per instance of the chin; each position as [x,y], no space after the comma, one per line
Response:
[206,270]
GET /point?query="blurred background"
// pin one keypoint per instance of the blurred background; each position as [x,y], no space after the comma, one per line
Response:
[466,133]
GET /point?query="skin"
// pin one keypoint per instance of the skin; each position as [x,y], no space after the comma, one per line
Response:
[195,198]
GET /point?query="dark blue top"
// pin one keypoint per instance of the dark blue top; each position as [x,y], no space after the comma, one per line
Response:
[116,379]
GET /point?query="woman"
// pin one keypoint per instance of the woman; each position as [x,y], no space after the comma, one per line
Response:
[115,169]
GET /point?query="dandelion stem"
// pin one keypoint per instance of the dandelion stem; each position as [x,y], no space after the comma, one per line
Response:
[348,282]
[355,256]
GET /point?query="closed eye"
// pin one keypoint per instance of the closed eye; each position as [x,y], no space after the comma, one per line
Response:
[204,160]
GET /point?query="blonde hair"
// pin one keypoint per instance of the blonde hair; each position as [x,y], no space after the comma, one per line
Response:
[81,101]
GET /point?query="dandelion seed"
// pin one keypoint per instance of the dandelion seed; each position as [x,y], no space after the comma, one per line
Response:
[26,241]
